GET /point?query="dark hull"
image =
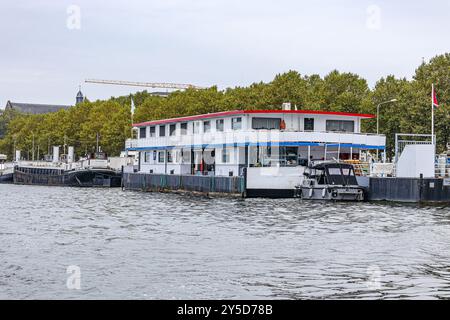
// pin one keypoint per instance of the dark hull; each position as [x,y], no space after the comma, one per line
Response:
[332,193]
[270,193]
[74,178]
[6,178]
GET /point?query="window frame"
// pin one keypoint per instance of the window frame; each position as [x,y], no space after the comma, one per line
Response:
[152,131]
[206,128]
[174,131]
[163,153]
[169,156]
[183,131]
[162,128]
[221,127]
[267,119]
[312,122]
[196,127]
[341,125]
[142,130]
[234,122]
[225,158]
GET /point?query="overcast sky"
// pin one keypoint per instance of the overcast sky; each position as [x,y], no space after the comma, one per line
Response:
[46,52]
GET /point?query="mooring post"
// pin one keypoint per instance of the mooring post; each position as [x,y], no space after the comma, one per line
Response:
[420,186]
[244,191]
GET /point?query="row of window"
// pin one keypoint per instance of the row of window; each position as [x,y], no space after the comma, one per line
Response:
[236,124]
[179,155]
[160,155]
[257,124]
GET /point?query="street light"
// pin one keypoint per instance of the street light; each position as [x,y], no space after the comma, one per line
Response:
[378,116]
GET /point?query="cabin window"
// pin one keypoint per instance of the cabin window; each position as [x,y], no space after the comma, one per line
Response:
[347,172]
[154,155]
[219,125]
[153,131]
[334,171]
[162,131]
[236,123]
[183,128]
[161,156]
[172,129]
[266,123]
[142,132]
[146,157]
[225,155]
[196,127]
[309,124]
[206,126]
[186,155]
[274,156]
[169,157]
[340,125]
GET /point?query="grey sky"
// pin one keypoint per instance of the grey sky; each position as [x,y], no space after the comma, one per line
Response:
[206,42]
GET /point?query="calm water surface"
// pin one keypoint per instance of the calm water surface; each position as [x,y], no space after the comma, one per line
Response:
[167,246]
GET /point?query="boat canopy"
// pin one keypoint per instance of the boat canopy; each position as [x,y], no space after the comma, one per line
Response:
[335,173]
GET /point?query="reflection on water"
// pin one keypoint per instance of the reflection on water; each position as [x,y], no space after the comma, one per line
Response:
[168,246]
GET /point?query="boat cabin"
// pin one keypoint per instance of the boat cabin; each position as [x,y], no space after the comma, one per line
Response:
[332,174]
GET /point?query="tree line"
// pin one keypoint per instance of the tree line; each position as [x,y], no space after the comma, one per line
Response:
[336,91]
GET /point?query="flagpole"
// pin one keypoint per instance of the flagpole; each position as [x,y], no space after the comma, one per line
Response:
[432,114]
[132,116]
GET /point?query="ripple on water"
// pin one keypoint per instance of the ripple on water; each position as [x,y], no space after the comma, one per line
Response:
[151,245]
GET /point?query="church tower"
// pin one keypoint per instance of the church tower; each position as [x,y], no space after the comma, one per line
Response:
[80,97]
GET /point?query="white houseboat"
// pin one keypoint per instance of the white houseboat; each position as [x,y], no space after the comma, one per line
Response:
[273,146]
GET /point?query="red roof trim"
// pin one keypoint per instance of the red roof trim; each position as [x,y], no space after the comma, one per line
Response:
[336,113]
[237,112]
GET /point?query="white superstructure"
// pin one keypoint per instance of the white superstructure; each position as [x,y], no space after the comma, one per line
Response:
[224,143]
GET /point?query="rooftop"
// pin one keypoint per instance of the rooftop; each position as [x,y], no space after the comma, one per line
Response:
[33,108]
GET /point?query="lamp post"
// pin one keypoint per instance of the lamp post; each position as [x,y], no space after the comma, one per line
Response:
[378,116]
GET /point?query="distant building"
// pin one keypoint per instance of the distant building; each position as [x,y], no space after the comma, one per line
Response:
[33,108]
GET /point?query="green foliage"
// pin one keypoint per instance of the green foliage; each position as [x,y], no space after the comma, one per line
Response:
[77,126]
[5,118]
[337,91]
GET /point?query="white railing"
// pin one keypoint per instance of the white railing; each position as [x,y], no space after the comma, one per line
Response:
[402,140]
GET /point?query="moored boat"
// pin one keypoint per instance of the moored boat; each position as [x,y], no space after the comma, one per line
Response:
[6,176]
[82,177]
[96,171]
[330,181]
[6,171]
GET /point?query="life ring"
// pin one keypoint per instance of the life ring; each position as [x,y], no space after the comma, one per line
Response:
[334,194]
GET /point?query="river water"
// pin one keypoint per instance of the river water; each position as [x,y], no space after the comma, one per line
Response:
[132,245]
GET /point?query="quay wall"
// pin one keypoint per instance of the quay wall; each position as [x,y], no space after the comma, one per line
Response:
[378,189]
[192,183]
[409,190]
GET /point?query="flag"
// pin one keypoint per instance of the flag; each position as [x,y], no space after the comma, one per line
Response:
[132,106]
[435,101]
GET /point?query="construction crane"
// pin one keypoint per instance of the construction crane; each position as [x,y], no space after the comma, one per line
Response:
[164,85]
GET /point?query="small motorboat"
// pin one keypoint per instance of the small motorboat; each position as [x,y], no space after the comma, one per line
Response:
[6,170]
[330,181]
